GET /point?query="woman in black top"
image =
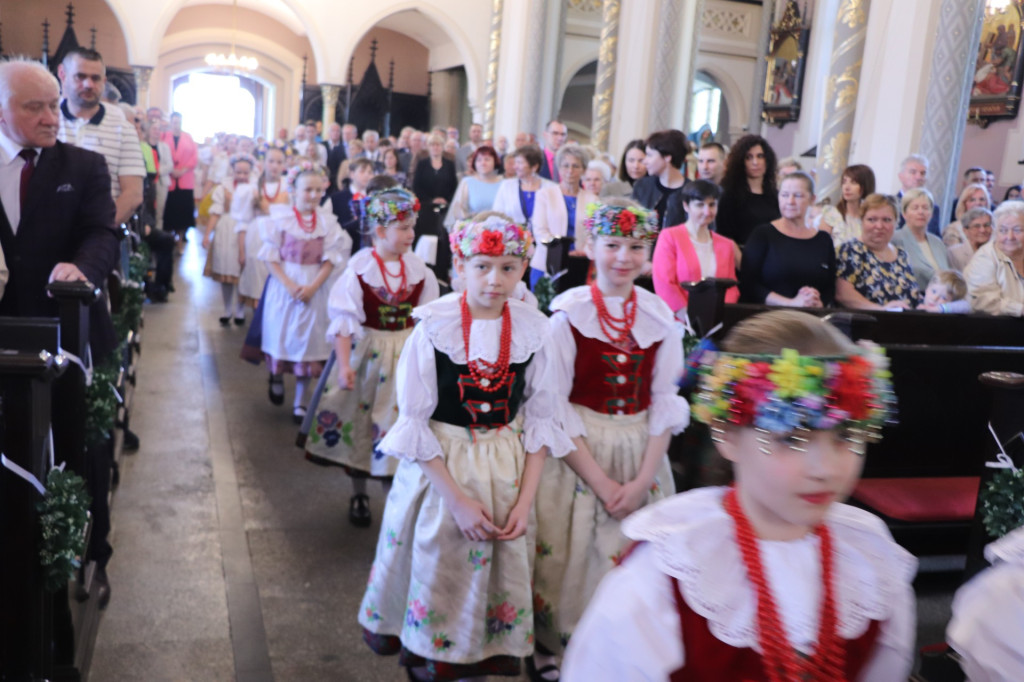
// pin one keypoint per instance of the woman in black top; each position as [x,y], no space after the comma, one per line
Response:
[749,197]
[434,183]
[788,262]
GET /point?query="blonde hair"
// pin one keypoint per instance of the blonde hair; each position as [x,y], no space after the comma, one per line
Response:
[964,195]
[915,194]
[953,281]
[772,332]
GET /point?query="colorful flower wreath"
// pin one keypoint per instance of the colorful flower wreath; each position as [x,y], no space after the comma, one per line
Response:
[238,158]
[493,236]
[303,168]
[391,205]
[604,220]
[779,393]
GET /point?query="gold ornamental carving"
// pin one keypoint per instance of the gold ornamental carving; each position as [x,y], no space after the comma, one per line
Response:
[852,13]
[836,152]
[491,87]
[604,91]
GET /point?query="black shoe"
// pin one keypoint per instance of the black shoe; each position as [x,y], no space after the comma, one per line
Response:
[170,287]
[239,321]
[547,673]
[299,415]
[225,321]
[276,398]
[131,441]
[101,586]
[359,511]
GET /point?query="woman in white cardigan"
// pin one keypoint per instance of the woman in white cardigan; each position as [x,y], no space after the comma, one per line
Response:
[529,198]
[994,273]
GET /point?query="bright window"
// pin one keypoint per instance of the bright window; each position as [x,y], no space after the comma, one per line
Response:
[212,103]
[706,103]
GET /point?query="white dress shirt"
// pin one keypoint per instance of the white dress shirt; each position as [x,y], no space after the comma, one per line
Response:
[10,178]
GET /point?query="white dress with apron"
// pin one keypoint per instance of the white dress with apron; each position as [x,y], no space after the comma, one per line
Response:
[235,206]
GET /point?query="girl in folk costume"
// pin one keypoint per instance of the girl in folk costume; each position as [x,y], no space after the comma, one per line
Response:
[617,358]
[371,303]
[450,583]
[233,204]
[772,579]
[270,191]
[302,246]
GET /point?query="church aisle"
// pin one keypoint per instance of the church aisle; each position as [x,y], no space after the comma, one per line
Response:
[234,558]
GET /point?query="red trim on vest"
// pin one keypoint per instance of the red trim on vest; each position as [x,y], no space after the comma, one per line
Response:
[709,659]
[386,313]
[612,380]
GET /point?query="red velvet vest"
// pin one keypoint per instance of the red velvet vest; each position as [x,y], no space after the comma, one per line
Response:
[709,659]
[388,313]
[612,380]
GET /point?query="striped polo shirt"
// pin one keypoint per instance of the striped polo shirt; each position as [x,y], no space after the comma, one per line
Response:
[108,133]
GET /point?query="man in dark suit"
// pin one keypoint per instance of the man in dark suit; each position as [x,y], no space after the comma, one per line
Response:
[56,224]
[555,135]
[335,151]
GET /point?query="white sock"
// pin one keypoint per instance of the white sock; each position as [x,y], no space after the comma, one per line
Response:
[300,390]
[227,293]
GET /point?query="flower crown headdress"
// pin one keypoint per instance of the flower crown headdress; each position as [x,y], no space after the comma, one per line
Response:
[635,222]
[394,204]
[303,168]
[238,158]
[780,393]
[495,235]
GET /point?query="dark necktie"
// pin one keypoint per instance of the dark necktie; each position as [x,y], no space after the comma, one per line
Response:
[26,172]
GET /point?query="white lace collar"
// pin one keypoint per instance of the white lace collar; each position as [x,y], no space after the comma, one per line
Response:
[654,319]
[442,322]
[694,541]
[285,215]
[363,264]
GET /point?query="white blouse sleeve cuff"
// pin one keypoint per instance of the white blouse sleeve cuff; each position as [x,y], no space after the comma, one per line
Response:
[344,325]
[411,439]
[269,253]
[668,413]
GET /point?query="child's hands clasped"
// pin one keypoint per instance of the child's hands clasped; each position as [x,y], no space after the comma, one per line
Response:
[473,519]
[303,294]
[518,519]
[627,500]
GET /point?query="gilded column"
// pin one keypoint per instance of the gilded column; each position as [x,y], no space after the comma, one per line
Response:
[329,96]
[142,74]
[491,88]
[604,91]
[841,95]
[949,97]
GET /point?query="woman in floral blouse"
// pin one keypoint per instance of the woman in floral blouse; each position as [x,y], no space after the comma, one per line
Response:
[874,274]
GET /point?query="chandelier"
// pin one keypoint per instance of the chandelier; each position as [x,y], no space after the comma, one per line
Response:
[231,61]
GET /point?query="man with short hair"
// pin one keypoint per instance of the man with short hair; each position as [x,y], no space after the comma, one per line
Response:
[975,175]
[452,133]
[914,173]
[711,162]
[348,133]
[335,150]
[476,138]
[990,184]
[555,135]
[371,149]
[665,156]
[88,123]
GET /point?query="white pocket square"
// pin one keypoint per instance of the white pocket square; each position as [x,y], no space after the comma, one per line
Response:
[66,187]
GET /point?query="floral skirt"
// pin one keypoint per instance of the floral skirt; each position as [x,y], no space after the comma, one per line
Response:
[577,541]
[222,258]
[432,592]
[350,424]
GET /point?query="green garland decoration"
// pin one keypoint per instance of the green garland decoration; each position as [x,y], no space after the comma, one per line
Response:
[1002,502]
[544,290]
[101,403]
[63,514]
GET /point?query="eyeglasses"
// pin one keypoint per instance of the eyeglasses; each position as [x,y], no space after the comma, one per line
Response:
[1004,231]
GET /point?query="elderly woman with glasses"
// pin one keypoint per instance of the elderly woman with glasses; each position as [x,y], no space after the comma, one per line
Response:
[994,275]
[926,252]
[977,228]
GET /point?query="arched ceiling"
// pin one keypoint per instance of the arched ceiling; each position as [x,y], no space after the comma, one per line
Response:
[417,26]
[275,9]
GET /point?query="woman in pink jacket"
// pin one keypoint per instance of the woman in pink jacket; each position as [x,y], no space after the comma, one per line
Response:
[180,209]
[691,251]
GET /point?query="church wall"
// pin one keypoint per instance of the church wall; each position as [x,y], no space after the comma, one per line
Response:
[411,60]
[997,147]
[23,30]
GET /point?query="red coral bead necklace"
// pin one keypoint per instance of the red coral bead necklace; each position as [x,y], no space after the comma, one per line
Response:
[403,281]
[617,329]
[489,376]
[307,226]
[781,662]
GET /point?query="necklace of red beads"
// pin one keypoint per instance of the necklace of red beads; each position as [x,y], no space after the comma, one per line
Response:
[307,225]
[403,281]
[781,661]
[617,329]
[489,376]
[277,191]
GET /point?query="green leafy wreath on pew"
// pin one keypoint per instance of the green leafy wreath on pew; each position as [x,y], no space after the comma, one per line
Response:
[1003,502]
[63,513]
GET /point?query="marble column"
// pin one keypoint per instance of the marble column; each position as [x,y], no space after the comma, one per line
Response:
[142,74]
[329,96]
[604,89]
[491,88]
[667,40]
[841,89]
[949,96]
[756,102]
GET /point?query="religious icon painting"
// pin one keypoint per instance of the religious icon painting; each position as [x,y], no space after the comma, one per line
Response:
[784,76]
[998,71]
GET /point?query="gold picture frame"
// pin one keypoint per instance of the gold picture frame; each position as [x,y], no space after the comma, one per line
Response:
[784,76]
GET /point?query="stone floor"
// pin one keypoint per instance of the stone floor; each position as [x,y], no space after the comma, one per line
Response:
[233,557]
